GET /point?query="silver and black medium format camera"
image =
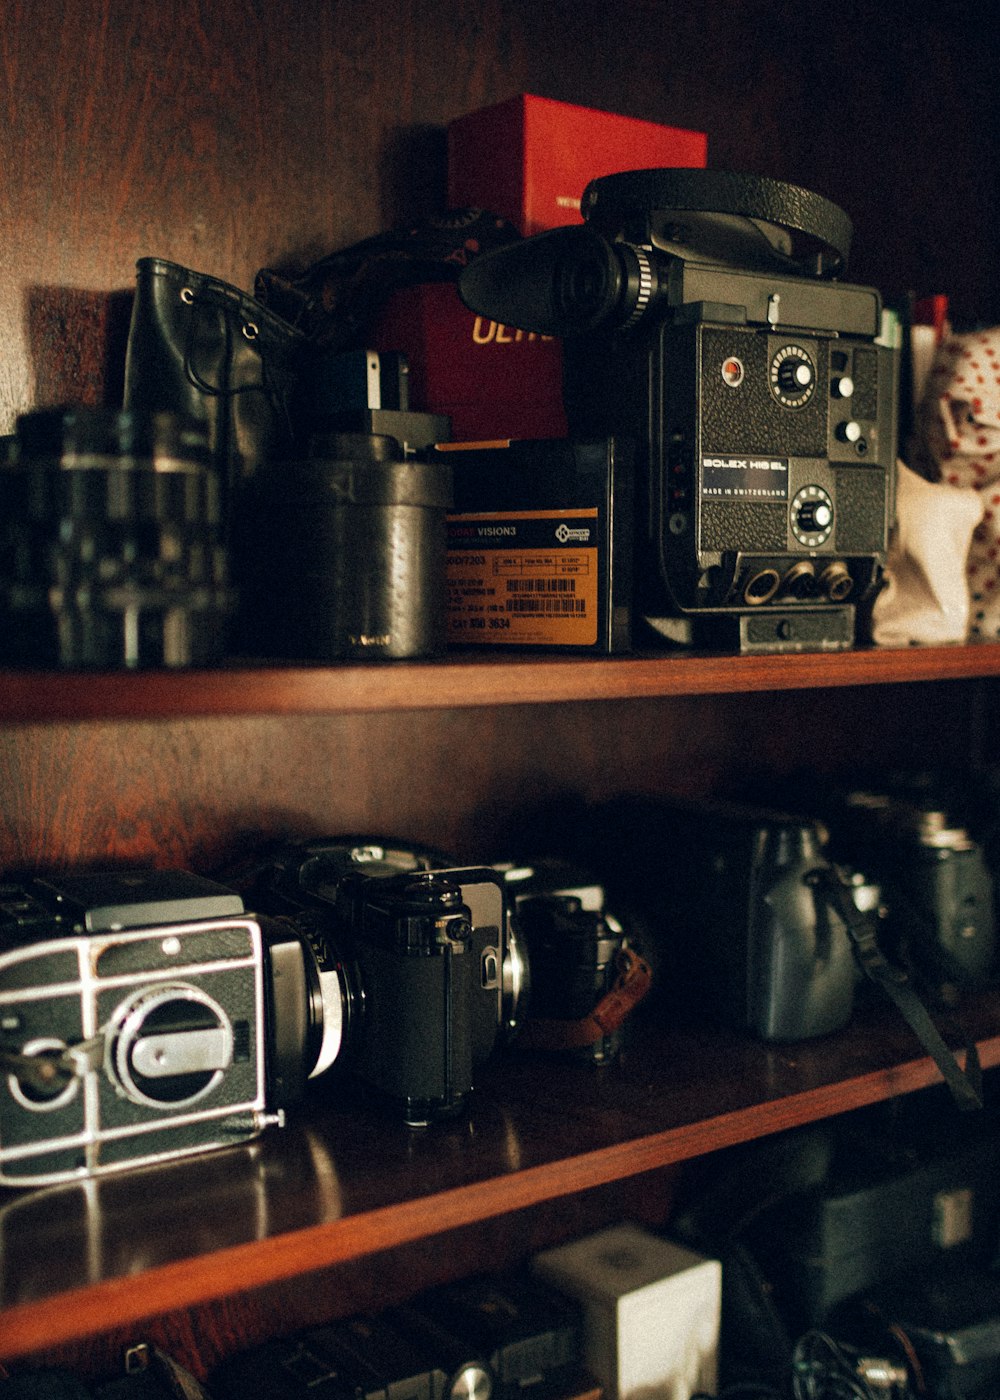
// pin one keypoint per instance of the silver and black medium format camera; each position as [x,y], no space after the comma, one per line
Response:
[702,318]
[430,969]
[145,1016]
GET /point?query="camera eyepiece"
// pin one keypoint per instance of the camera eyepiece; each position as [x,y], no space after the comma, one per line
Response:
[566,282]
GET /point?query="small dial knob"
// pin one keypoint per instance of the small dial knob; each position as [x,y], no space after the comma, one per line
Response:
[794,374]
[842,387]
[813,516]
[848,431]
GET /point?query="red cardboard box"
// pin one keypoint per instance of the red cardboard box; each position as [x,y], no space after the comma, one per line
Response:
[530,158]
[492,381]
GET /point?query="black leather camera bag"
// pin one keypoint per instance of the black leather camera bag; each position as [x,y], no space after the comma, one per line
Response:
[202,348]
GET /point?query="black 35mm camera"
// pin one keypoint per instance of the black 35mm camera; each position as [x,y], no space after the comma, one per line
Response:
[702,319]
[431,976]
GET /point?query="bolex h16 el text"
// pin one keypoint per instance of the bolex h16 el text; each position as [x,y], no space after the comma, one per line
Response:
[146,1015]
[702,318]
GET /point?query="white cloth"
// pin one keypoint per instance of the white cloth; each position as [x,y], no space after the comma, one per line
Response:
[926,598]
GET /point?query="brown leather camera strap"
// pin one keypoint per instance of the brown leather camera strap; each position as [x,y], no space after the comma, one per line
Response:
[630,986]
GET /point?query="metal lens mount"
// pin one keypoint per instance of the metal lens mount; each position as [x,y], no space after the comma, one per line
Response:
[168,1046]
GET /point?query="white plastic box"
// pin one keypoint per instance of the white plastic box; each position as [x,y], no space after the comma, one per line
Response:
[651,1311]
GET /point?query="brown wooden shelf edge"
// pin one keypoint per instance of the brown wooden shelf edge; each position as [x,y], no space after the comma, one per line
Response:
[131,1299]
[461,680]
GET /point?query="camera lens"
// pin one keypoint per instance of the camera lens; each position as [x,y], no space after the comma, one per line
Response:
[110,542]
[586,287]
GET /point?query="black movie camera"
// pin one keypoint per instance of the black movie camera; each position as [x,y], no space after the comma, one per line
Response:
[702,319]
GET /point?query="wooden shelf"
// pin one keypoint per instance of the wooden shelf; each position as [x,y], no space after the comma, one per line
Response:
[465,680]
[343,1181]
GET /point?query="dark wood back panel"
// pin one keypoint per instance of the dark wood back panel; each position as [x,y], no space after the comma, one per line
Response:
[477,782]
[228,136]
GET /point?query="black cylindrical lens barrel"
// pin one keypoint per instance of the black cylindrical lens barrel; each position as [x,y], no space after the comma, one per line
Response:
[111,550]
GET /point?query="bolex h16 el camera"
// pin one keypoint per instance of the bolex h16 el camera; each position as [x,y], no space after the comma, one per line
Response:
[147,1015]
[702,318]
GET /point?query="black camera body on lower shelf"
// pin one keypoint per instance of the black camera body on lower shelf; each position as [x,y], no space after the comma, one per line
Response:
[429,967]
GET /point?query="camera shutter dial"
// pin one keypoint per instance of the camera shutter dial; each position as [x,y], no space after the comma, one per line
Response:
[169,1046]
[793,376]
[812,516]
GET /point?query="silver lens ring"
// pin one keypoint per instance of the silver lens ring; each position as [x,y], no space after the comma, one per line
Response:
[645,288]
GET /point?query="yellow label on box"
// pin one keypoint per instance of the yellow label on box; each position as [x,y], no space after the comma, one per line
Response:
[523,578]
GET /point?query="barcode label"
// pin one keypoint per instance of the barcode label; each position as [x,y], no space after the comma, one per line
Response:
[550,606]
[541,585]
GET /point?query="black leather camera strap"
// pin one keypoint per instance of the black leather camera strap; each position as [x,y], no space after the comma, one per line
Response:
[966,1084]
[820,228]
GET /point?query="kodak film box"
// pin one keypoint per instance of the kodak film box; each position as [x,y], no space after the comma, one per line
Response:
[528,159]
[540,545]
[652,1311]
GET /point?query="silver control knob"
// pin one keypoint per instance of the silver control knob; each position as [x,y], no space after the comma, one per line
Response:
[814,515]
[794,374]
[849,431]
